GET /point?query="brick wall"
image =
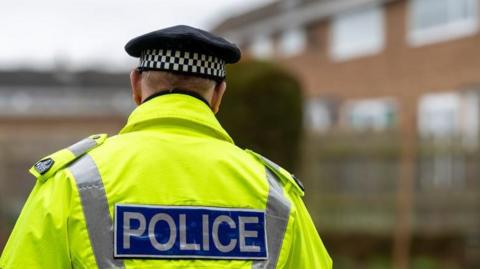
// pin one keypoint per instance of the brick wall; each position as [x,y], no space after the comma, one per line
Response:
[399,70]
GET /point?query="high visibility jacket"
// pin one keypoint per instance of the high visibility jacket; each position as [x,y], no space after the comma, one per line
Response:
[173,157]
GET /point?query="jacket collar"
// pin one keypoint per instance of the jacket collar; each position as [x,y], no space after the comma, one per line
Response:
[175,106]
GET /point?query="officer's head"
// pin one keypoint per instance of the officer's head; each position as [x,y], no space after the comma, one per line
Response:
[181,58]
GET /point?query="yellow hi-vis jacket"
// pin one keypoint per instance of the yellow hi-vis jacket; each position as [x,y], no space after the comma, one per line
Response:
[171,190]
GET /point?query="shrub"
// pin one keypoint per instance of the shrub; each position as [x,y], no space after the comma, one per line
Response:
[262,110]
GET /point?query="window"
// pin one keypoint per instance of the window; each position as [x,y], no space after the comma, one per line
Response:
[318,115]
[433,21]
[378,114]
[262,47]
[439,115]
[292,42]
[446,121]
[446,115]
[470,127]
[357,33]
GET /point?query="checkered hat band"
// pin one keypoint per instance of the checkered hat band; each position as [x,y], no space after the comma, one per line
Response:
[182,61]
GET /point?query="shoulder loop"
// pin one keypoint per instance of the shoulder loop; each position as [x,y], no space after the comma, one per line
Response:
[49,165]
[283,174]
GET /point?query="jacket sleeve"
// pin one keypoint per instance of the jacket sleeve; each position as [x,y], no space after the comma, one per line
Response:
[39,238]
[307,249]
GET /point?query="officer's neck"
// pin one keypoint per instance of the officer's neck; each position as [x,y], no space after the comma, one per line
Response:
[177,91]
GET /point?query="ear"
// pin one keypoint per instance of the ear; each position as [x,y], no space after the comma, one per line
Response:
[218,93]
[135,82]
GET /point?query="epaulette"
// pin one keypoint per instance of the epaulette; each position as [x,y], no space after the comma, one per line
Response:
[287,178]
[49,165]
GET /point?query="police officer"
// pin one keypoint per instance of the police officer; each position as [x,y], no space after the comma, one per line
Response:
[171,190]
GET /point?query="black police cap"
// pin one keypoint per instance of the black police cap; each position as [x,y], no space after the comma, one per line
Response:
[184,49]
[185,38]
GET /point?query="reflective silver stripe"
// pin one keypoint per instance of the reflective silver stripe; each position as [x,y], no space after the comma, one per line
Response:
[95,208]
[278,212]
[82,146]
[272,164]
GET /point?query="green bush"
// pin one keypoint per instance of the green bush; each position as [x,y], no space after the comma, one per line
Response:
[424,262]
[262,110]
[379,262]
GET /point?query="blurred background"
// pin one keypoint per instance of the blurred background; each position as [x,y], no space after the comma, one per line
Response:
[373,104]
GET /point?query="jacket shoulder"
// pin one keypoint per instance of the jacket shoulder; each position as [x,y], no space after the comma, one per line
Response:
[47,166]
[287,179]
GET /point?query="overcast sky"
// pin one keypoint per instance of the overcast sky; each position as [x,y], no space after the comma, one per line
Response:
[81,34]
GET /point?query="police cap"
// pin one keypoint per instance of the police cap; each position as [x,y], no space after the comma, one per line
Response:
[184,49]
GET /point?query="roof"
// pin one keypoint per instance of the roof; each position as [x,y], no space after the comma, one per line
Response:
[60,94]
[260,13]
[251,16]
[84,79]
[284,14]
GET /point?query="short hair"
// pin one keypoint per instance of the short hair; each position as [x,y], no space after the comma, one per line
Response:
[160,80]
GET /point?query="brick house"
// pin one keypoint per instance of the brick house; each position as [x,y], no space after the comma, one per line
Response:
[404,72]
[364,53]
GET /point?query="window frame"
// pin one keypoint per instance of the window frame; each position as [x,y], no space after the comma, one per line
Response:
[318,122]
[262,46]
[389,104]
[376,48]
[441,33]
[285,49]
